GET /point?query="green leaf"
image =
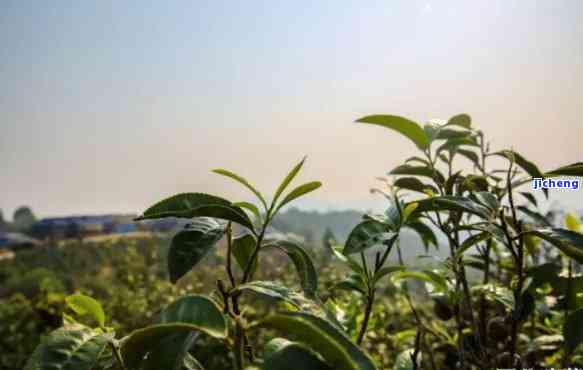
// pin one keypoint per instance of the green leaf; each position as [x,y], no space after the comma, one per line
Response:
[575,169]
[243,248]
[71,348]
[569,242]
[404,360]
[242,181]
[301,260]
[454,144]
[425,232]
[84,305]
[487,199]
[186,315]
[572,330]
[530,198]
[298,192]
[387,270]
[333,345]
[365,235]
[190,245]
[197,310]
[171,353]
[536,217]
[273,290]
[446,134]
[524,163]
[471,156]
[349,261]
[406,169]
[354,282]
[402,125]
[453,203]
[473,240]
[572,222]
[437,281]
[414,184]
[282,354]
[286,181]
[189,205]
[251,208]
[462,120]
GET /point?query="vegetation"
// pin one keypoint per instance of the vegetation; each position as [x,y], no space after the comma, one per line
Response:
[507,293]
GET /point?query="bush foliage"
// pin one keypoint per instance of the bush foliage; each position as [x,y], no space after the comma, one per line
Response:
[507,294]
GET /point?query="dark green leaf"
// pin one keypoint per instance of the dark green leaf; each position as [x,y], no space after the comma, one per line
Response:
[354,282]
[243,247]
[570,242]
[199,311]
[524,163]
[406,169]
[365,235]
[189,205]
[333,345]
[452,145]
[190,245]
[414,184]
[462,120]
[84,305]
[71,348]
[301,260]
[487,199]
[242,181]
[402,125]
[471,156]
[445,134]
[186,315]
[453,203]
[281,354]
[536,217]
[473,240]
[575,169]
[530,198]
[171,353]
[425,232]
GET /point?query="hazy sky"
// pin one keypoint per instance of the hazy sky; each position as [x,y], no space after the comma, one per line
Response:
[110,105]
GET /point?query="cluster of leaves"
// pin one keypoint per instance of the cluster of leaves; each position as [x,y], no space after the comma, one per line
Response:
[504,320]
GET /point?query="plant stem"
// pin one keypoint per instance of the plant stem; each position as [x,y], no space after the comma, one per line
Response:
[117,354]
[229,249]
[367,312]
[567,352]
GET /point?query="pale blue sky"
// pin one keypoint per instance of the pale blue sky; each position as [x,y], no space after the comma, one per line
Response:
[109,105]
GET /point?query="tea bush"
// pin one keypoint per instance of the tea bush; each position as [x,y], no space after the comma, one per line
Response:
[522,308]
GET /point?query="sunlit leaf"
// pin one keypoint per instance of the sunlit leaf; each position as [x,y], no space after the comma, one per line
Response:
[242,181]
[402,125]
[84,305]
[298,192]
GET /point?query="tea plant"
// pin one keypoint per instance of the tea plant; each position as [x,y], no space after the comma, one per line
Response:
[503,320]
